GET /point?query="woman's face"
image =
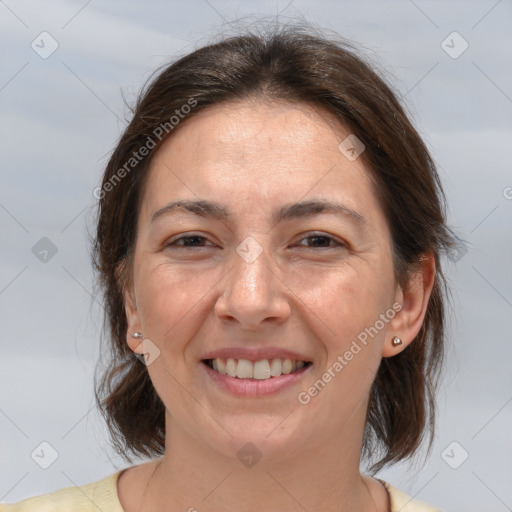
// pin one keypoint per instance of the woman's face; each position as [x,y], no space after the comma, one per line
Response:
[241,282]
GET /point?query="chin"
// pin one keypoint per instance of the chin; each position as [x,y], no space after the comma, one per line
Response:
[263,437]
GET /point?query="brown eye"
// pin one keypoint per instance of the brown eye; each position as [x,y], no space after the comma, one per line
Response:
[323,242]
[189,241]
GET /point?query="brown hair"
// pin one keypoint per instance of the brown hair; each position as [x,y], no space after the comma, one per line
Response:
[294,64]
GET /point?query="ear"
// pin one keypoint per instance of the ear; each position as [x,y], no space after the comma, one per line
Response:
[414,299]
[130,307]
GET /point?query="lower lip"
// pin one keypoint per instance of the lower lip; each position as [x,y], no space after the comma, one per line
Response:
[255,387]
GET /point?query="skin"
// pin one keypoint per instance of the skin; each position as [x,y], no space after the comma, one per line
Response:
[310,297]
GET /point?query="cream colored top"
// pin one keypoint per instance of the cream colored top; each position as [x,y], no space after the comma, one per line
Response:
[102,495]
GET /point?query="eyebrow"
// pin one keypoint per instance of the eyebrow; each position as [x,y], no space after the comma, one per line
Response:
[302,209]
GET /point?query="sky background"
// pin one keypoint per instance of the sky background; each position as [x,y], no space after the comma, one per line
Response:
[61,116]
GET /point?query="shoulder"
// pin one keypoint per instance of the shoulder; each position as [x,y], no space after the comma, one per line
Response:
[401,502]
[100,495]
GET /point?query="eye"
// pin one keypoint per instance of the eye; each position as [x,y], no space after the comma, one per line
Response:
[189,241]
[319,241]
[322,241]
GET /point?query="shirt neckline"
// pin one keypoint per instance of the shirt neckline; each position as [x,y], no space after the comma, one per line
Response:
[115,479]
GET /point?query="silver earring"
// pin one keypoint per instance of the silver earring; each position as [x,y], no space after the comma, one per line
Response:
[137,335]
[396,341]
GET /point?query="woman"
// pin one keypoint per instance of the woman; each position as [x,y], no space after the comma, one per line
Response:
[268,242]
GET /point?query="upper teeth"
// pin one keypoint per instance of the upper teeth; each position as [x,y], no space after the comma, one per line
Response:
[245,369]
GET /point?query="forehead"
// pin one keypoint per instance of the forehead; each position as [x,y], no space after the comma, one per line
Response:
[254,153]
[239,131]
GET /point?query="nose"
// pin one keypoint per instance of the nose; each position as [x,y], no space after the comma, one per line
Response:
[253,293]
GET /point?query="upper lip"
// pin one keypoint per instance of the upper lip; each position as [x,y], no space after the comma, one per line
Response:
[255,354]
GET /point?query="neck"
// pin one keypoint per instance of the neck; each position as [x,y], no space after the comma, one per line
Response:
[194,477]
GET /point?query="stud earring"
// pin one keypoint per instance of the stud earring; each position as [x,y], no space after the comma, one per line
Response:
[137,335]
[396,341]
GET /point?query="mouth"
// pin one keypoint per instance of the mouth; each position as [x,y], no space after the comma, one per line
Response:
[264,369]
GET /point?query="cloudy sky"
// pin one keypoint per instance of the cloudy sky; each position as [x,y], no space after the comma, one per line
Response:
[66,66]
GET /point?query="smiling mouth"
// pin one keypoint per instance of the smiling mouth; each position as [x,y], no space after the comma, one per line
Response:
[258,370]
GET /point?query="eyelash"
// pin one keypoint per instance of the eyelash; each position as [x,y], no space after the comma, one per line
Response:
[337,243]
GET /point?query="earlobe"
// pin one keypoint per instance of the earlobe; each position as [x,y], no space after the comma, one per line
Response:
[406,324]
[133,335]
[136,346]
[125,284]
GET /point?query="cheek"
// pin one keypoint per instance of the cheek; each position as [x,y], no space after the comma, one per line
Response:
[344,300]
[348,310]
[169,300]
[171,303]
